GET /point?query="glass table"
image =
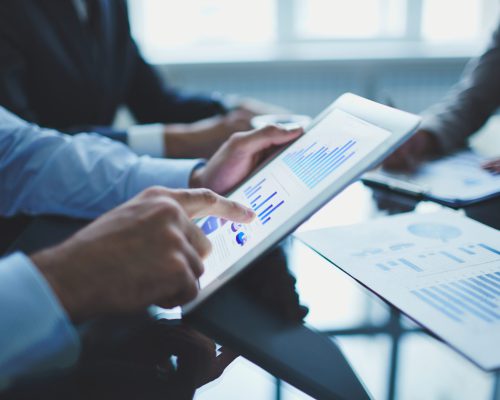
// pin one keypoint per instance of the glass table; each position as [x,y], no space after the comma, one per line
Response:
[393,357]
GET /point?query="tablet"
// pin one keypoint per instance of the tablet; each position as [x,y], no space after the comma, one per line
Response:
[351,136]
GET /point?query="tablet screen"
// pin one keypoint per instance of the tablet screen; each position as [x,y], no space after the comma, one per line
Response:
[287,184]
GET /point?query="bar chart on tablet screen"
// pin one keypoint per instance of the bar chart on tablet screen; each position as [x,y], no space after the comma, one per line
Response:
[313,163]
[264,198]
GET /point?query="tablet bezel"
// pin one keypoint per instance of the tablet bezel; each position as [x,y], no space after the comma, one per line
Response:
[400,124]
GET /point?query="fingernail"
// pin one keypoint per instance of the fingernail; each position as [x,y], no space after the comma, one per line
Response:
[250,213]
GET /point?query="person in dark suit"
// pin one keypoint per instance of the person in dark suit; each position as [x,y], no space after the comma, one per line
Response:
[70,64]
[447,126]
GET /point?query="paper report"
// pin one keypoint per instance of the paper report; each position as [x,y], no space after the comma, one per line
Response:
[441,269]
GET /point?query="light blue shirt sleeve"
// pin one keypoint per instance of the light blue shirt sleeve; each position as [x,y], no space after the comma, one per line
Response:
[45,172]
[35,333]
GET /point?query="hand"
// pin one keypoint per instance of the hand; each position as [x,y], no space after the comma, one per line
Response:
[145,251]
[421,146]
[203,138]
[492,166]
[239,156]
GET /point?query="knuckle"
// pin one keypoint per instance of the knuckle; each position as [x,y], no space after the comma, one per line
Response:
[155,191]
[199,270]
[191,290]
[185,194]
[236,139]
[168,208]
[208,196]
[206,247]
[177,265]
[177,241]
[188,291]
[238,136]
[268,129]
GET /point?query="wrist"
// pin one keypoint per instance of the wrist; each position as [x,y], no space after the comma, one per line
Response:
[174,137]
[51,263]
[196,178]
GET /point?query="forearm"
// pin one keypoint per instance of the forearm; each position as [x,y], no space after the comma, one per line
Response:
[454,120]
[146,139]
[44,172]
[470,103]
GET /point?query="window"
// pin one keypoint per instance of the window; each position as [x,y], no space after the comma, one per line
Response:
[167,26]
[464,23]
[319,19]
[160,24]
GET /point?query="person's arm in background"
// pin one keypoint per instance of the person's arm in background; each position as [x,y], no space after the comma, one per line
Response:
[447,125]
[190,124]
[154,102]
[470,103]
[196,125]
[181,140]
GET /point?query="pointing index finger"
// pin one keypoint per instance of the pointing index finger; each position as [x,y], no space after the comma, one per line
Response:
[204,202]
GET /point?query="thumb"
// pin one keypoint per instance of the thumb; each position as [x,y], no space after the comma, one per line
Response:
[269,136]
[199,203]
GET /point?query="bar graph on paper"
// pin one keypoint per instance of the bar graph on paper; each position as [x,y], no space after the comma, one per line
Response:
[441,269]
[420,261]
[316,162]
[264,199]
[472,297]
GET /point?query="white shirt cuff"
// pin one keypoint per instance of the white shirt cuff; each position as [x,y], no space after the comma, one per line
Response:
[147,139]
[165,172]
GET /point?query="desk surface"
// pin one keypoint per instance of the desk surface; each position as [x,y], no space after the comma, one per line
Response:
[393,357]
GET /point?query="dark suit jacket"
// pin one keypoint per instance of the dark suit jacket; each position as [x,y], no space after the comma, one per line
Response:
[59,72]
[470,103]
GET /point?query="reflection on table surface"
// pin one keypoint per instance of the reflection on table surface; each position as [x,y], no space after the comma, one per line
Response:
[393,357]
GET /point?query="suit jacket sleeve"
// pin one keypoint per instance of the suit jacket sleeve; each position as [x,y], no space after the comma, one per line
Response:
[470,103]
[13,80]
[13,91]
[150,100]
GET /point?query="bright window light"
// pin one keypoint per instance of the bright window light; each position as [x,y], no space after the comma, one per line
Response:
[171,24]
[451,20]
[361,19]
[187,29]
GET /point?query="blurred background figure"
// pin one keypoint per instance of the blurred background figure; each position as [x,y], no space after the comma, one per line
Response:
[448,125]
[71,65]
